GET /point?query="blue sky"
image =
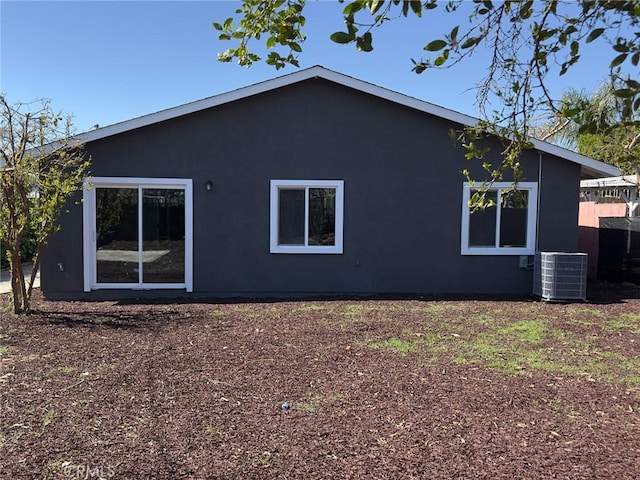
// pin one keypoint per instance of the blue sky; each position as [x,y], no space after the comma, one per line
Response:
[107,61]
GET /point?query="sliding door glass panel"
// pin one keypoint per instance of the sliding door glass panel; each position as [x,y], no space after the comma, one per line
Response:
[117,235]
[163,215]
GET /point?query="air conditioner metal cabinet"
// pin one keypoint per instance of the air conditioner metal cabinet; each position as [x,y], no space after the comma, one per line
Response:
[560,276]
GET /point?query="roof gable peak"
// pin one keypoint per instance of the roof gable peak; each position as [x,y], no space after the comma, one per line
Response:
[590,167]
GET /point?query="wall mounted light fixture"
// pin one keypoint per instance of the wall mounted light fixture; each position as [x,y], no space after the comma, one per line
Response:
[208,186]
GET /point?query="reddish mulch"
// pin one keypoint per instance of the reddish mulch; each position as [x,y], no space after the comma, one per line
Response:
[195,390]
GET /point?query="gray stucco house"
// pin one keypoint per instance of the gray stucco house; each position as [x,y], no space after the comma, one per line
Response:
[311,183]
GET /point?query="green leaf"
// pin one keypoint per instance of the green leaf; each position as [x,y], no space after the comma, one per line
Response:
[271,42]
[618,60]
[418,67]
[621,47]
[624,93]
[351,28]
[375,6]
[364,43]
[562,38]
[353,7]
[217,26]
[416,7]
[571,112]
[295,47]
[454,34]
[441,59]
[526,10]
[546,34]
[435,45]
[594,34]
[632,84]
[405,8]
[470,42]
[341,37]
[570,29]
[575,46]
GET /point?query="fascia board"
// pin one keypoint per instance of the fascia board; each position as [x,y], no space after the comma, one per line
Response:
[590,167]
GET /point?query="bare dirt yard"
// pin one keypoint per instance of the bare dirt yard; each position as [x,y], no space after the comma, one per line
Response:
[396,388]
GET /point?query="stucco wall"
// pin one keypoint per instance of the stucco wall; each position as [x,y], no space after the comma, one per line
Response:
[402,184]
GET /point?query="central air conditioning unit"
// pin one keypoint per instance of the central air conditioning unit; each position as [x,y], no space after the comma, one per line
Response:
[560,276]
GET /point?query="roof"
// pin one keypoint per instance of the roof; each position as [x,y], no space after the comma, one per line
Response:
[589,167]
[611,182]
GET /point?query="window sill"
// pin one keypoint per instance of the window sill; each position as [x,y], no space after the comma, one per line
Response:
[497,251]
[323,250]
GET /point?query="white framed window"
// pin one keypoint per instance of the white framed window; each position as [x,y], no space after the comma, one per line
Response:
[506,228]
[306,216]
[138,233]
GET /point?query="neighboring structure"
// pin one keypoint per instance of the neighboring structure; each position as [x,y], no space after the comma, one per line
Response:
[612,190]
[310,183]
[609,224]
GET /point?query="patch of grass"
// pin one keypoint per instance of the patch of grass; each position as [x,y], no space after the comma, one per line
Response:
[397,345]
[527,331]
[311,404]
[518,348]
[627,368]
[626,321]
[583,311]
[483,319]
[355,309]
[47,419]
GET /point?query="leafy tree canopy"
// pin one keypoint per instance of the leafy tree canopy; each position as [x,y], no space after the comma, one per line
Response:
[527,40]
[599,130]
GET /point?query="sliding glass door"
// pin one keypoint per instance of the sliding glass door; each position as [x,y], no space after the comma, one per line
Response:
[141,234]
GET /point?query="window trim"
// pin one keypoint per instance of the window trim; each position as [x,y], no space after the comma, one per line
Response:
[532,215]
[89,229]
[276,185]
